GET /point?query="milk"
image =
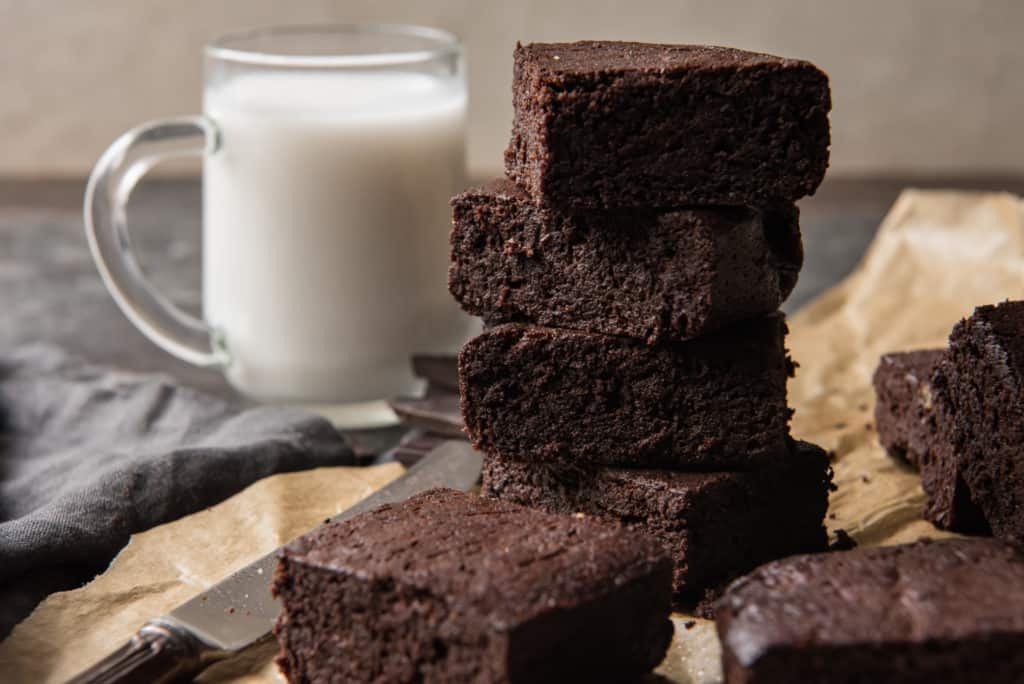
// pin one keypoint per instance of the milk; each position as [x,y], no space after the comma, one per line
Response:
[326,225]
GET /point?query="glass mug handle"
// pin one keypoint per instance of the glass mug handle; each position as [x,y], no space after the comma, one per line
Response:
[111,183]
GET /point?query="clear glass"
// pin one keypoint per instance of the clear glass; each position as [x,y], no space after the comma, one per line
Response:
[329,154]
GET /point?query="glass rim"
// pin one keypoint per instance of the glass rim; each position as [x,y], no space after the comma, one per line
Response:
[447,45]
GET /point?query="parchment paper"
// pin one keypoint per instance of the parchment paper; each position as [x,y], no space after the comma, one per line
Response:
[166,565]
[936,256]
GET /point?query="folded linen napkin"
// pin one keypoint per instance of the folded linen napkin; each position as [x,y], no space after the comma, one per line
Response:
[90,455]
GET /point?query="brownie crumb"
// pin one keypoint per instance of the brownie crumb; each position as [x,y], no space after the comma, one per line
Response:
[831,474]
[842,541]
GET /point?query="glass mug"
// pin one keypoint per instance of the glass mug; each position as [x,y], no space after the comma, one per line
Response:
[329,155]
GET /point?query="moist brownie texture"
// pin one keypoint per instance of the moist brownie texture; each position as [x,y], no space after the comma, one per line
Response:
[640,273]
[947,611]
[715,526]
[913,420]
[985,376]
[609,125]
[717,402]
[948,502]
[449,587]
[904,410]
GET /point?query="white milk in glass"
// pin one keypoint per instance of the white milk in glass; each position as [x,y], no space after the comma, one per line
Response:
[326,225]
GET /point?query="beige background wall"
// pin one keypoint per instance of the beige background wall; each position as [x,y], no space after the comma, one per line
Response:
[919,85]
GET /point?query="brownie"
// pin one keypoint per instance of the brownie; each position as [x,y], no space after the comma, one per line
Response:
[983,382]
[904,410]
[948,502]
[948,611]
[611,125]
[914,423]
[716,526]
[641,273]
[716,402]
[449,587]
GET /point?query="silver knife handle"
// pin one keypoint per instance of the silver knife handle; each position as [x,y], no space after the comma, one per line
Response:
[159,653]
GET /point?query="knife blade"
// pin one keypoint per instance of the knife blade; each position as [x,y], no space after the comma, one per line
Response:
[239,612]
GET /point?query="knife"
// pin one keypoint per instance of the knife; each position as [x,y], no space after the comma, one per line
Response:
[239,612]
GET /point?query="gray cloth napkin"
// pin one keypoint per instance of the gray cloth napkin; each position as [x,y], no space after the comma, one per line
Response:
[90,455]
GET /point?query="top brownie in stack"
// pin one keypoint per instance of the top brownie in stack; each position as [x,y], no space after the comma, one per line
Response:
[603,125]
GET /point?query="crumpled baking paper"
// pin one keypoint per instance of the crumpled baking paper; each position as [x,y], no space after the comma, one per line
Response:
[169,564]
[936,256]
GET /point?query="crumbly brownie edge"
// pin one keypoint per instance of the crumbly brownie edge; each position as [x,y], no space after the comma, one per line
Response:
[670,174]
[986,383]
[529,393]
[459,630]
[654,275]
[904,404]
[765,515]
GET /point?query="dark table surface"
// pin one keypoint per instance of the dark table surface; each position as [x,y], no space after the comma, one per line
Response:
[50,290]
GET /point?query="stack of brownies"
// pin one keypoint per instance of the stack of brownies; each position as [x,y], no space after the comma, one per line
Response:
[630,271]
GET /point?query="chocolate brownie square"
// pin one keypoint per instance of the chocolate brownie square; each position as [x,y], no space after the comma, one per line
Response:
[948,502]
[904,410]
[983,401]
[716,526]
[914,421]
[948,611]
[640,273]
[716,402]
[449,587]
[603,125]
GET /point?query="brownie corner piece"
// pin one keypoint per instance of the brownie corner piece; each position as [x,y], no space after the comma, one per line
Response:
[649,274]
[716,402]
[948,501]
[604,124]
[984,376]
[949,611]
[448,586]
[914,421]
[905,404]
